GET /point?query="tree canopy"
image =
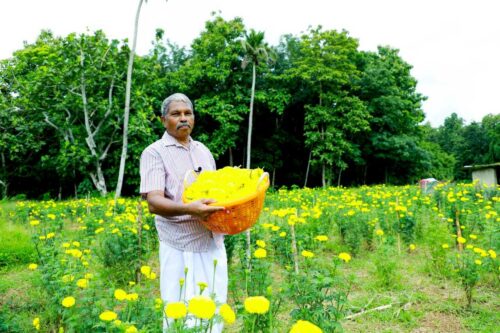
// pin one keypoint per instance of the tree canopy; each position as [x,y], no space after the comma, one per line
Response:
[323,110]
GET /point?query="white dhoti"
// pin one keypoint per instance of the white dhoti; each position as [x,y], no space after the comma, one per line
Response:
[200,268]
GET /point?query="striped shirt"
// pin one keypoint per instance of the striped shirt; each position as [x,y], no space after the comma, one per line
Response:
[163,167]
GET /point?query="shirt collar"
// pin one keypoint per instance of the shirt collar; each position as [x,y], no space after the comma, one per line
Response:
[169,140]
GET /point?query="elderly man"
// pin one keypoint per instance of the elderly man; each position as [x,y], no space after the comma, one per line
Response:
[187,249]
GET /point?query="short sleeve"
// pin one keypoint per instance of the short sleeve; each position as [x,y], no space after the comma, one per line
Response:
[152,172]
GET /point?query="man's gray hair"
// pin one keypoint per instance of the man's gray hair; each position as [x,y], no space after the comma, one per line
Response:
[177,97]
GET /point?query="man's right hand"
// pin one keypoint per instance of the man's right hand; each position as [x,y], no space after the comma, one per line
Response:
[201,209]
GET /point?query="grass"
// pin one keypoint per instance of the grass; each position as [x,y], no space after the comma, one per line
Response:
[15,242]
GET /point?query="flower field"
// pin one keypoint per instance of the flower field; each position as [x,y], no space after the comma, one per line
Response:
[367,259]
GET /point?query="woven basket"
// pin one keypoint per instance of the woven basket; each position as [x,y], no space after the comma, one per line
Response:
[238,215]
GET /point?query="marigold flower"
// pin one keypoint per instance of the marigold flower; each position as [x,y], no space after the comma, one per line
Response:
[472,236]
[303,326]
[461,240]
[120,294]
[108,316]
[82,283]
[257,304]
[321,238]
[34,222]
[445,246]
[260,243]
[36,323]
[131,329]
[146,270]
[132,297]
[68,302]
[175,310]
[345,256]
[282,234]
[492,253]
[202,307]
[307,254]
[227,314]
[379,232]
[412,247]
[478,262]
[260,253]
[32,267]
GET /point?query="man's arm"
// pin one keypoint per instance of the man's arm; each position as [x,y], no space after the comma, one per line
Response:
[160,205]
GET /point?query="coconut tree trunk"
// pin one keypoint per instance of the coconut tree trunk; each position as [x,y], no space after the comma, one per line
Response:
[249,149]
[250,117]
[126,112]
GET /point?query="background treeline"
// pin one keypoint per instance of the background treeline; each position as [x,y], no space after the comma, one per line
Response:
[325,112]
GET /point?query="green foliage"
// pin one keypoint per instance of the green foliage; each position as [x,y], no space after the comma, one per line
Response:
[358,113]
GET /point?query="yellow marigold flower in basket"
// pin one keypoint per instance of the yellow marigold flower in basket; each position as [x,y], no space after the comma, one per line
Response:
[257,304]
[202,307]
[176,310]
[303,326]
[240,191]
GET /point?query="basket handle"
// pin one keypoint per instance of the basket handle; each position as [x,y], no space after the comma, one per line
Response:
[189,173]
[263,181]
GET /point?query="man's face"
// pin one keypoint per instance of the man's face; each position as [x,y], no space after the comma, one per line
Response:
[179,120]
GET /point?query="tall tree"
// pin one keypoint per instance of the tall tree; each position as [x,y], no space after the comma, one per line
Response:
[255,51]
[70,83]
[326,64]
[126,112]
[213,78]
[395,107]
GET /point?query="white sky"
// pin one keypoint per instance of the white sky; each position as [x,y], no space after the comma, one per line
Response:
[453,45]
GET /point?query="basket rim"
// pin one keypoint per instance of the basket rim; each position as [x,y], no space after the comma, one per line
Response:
[262,186]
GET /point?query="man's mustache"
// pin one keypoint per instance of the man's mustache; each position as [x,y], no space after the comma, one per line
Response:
[183,124]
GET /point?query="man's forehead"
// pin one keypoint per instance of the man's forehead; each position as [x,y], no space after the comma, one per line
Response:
[179,106]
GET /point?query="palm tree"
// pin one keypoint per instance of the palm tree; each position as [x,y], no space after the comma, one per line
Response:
[256,50]
[126,112]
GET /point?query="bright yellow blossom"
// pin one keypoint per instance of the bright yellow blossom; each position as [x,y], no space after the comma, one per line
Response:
[36,323]
[345,256]
[227,314]
[175,310]
[120,294]
[202,307]
[257,304]
[68,302]
[260,253]
[82,283]
[260,243]
[303,326]
[321,238]
[108,316]
[307,254]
